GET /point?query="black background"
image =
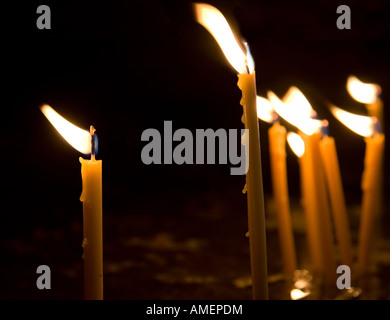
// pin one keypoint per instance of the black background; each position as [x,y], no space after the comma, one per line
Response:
[126,66]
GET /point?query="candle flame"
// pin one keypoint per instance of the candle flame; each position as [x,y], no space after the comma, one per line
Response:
[214,21]
[78,138]
[297,294]
[265,111]
[363,92]
[296,144]
[362,125]
[295,98]
[292,113]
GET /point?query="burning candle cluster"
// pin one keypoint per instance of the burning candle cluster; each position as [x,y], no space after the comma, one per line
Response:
[323,200]
[321,183]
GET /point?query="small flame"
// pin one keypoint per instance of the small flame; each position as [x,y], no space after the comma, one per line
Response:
[78,138]
[363,92]
[362,125]
[295,98]
[291,113]
[296,144]
[265,111]
[297,294]
[214,21]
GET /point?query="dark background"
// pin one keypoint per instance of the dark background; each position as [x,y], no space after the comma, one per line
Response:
[126,66]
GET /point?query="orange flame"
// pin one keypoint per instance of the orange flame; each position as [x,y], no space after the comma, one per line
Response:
[78,138]
[265,111]
[362,125]
[292,112]
[214,21]
[363,92]
[296,144]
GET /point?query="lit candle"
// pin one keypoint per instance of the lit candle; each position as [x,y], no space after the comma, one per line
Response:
[297,110]
[91,171]
[298,146]
[375,141]
[213,20]
[277,150]
[336,192]
[369,94]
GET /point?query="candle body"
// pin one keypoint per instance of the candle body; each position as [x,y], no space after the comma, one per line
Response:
[318,211]
[91,172]
[254,187]
[370,188]
[309,200]
[339,208]
[277,147]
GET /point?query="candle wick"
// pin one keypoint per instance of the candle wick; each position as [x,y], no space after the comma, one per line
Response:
[248,54]
[376,126]
[275,117]
[325,128]
[92,130]
[246,66]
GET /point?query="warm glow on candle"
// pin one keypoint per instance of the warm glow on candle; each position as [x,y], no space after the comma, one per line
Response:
[296,144]
[265,110]
[363,92]
[78,138]
[292,112]
[362,125]
[214,21]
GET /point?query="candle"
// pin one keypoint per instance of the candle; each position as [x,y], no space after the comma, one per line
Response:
[91,171]
[302,151]
[297,110]
[213,20]
[371,188]
[369,94]
[339,208]
[91,196]
[375,141]
[277,150]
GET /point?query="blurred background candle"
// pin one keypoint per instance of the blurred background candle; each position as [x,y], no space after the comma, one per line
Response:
[371,179]
[369,95]
[277,150]
[336,193]
[213,20]
[296,109]
[91,172]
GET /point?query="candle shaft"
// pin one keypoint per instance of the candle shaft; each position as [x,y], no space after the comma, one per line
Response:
[370,188]
[91,172]
[254,186]
[339,208]
[310,206]
[326,231]
[317,211]
[277,146]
